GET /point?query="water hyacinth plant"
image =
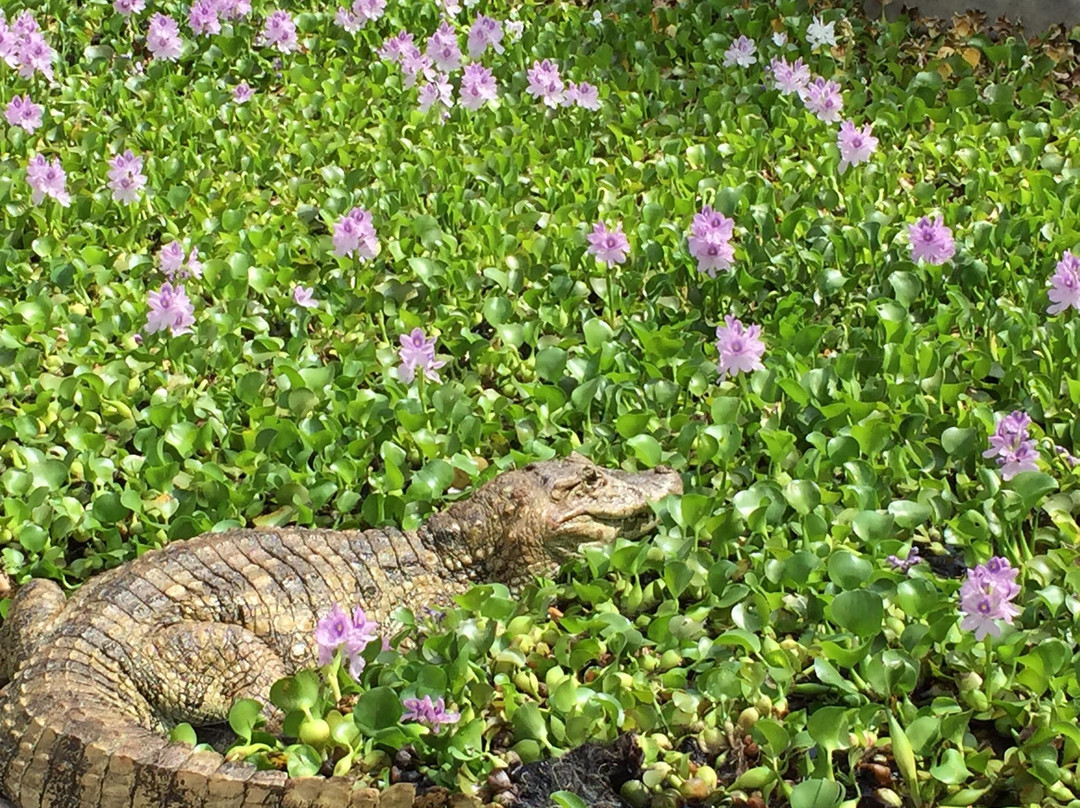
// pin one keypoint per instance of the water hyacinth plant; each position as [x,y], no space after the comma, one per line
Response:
[230,233]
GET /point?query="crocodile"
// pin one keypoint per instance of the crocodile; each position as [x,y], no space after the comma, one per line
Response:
[95,681]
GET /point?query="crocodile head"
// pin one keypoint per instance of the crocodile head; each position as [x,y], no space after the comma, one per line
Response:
[583,502]
[528,521]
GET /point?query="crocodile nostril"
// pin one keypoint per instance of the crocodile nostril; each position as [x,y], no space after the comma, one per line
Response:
[661,470]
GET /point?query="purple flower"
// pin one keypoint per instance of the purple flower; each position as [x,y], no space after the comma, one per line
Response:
[823,99]
[609,246]
[391,49]
[438,90]
[367,10]
[1065,284]
[303,297]
[987,595]
[515,28]
[170,308]
[355,233]
[905,564]
[545,82]
[423,711]
[485,31]
[21,111]
[710,235]
[331,632]
[174,266]
[414,64]
[233,9]
[931,240]
[477,86]
[1014,449]
[740,347]
[818,33]
[279,31]
[203,17]
[347,20]
[418,351]
[337,629]
[47,178]
[28,47]
[741,53]
[1067,456]
[128,7]
[242,93]
[585,95]
[126,179]
[163,38]
[443,48]
[856,145]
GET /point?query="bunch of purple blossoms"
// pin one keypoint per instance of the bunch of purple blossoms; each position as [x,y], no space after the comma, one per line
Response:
[1014,449]
[170,308]
[203,18]
[21,111]
[232,9]
[740,347]
[172,263]
[741,53]
[47,179]
[279,31]
[352,635]
[905,564]
[987,595]
[545,82]
[438,89]
[304,297]
[931,240]
[790,77]
[415,64]
[354,232]
[418,351]
[584,95]
[128,7]
[126,179]
[477,86]
[392,48]
[1065,285]
[710,241]
[856,145]
[484,32]
[163,38]
[242,93]
[361,13]
[609,246]
[823,99]
[443,48]
[424,711]
[23,46]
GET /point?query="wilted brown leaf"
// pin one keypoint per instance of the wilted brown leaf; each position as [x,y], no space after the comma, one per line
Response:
[971,56]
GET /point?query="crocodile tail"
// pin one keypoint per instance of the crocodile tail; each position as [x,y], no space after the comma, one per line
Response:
[73,736]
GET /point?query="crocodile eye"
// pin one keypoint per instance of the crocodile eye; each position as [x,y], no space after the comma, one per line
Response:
[591,477]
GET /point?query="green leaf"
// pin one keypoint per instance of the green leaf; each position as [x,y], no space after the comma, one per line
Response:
[872,526]
[958,442]
[528,723]
[646,448]
[951,769]
[815,793]
[377,709]
[243,716]
[567,799]
[908,514]
[848,571]
[859,611]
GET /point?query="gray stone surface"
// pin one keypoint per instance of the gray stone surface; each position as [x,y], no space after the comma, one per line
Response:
[1036,15]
